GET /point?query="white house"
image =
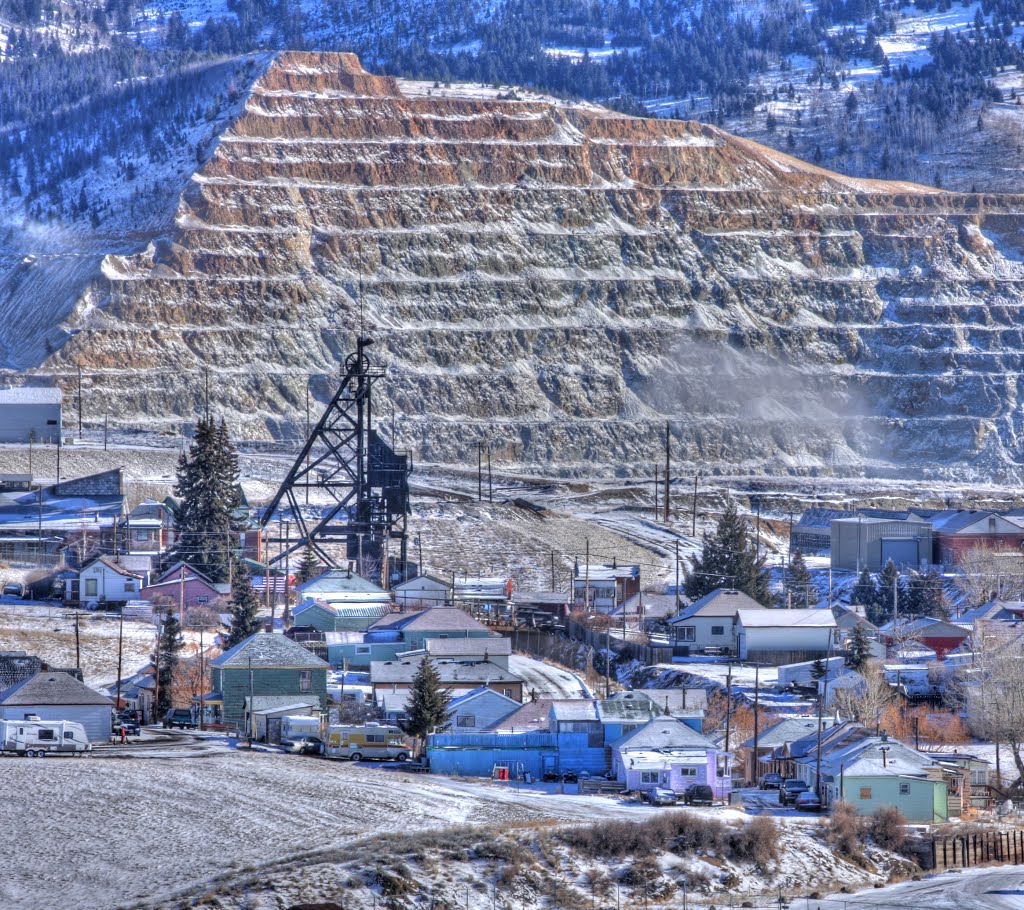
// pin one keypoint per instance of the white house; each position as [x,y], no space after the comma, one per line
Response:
[52,695]
[784,636]
[104,581]
[708,623]
[421,592]
[479,709]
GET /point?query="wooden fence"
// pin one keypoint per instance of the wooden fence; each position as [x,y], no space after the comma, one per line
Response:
[961,851]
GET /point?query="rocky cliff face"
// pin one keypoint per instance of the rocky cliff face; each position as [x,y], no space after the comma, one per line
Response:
[561,280]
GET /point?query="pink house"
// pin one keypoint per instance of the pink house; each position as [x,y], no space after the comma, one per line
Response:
[182,583]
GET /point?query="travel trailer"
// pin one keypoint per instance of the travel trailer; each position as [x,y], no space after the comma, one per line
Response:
[35,738]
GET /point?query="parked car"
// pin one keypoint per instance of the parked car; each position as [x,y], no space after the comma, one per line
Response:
[179,717]
[303,745]
[772,781]
[807,801]
[660,796]
[789,789]
[14,589]
[570,777]
[699,795]
[131,727]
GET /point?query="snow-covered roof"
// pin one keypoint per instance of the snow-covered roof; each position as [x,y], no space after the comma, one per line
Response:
[435,619]
[30,395]
[660,734]
[720,602]
[51,687]
[265,650]
[767,619]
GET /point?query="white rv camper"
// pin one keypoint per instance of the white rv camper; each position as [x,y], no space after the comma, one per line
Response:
[33,737]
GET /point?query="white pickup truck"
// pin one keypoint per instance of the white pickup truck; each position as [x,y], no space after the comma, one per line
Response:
[37,738]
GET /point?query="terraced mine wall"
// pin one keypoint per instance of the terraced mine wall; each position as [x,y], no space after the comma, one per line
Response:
[560,281]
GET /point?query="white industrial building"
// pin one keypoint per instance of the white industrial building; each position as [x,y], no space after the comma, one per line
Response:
[30,414]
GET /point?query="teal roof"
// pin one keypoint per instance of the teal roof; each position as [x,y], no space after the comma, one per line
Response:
[266,650]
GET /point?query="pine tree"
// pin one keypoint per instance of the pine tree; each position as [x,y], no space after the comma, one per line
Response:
[881,610]
[728,560]
[244,607]
[309,567]
[169,646]
[864,590]
[207,485]
[799,586]
[427,709]
[818,669]
[926,595]
[858,649]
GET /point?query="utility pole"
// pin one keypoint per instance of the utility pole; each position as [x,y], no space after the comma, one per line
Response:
[106,421]
[693,530]
[78,640]
[181,596]
[248,725]
[287,570]
[120,645]
[202,682]
[586,575]
[79,399]
[479,472]
[156,690]
[307,437]
[757,716]
[668,466]
[206,392]
[657,512]
[677,576]
[757,530]
[490,483]
[728,704]
[552,570]
[266,563]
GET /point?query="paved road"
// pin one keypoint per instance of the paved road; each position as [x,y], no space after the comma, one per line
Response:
[547,681]
[999,888]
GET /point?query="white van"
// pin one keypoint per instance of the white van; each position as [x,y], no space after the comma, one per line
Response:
[36,738]
[367,741]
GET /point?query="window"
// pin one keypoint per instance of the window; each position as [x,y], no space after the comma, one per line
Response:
[648,777]
[142,535]
[718,630]
[466,720]
[68,734]
[305,680]
[203,599]
[507,693]
[686,633]
[91,589]
[904,789]
[129,587]
[374,738]
[865,793]
[46,735]
[687,772]
[51,423]
[363,649]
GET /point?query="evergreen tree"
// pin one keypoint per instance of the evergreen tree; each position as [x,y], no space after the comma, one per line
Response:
[864,590]
[169,645]
[309,567]
[728,560]
[207,486]
[881,611]
[926,595]
[858,650]
[818,669]
[427,710]
[799,587]
[244,607]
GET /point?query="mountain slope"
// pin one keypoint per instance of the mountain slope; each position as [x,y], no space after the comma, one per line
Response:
[560,280]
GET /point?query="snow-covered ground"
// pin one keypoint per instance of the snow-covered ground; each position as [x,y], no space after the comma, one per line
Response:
[973,889]
[545,680]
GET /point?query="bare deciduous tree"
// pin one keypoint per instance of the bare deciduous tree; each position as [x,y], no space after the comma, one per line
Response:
[866,704]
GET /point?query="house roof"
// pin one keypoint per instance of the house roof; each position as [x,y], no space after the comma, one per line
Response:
[339,581]
[631,707]
[473,694]
[786,731]
[676,702]
[498,646]
[385,672]
[30,395]
[662,733]
[655,606]
[411,582]
[768,619]
[265,650]
[434,619]
[720,602]
[819,519]
[543,598]
[343,610]
[113,566]
[566,709]
[534,716]
[924,627]
[1001,610]
[597,572]
[50,687]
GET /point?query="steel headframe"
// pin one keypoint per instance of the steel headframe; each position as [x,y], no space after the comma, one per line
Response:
[365,479]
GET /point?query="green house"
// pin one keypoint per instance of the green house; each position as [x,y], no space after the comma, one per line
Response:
[265,664]
[920,795]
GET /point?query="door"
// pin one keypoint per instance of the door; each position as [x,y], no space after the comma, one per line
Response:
[274,730]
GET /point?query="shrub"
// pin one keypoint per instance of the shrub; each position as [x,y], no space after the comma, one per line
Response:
[844,831]
[886,828]
[757,841]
